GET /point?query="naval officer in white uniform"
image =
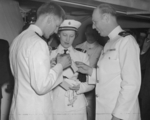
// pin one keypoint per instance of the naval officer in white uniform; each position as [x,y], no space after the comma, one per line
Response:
[70,104]
[118,69]
[30,65]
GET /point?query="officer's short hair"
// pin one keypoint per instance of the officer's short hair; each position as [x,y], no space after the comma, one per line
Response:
[51,8]
[106,8]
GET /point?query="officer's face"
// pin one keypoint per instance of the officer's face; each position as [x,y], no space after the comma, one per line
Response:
[66,38]
[99,23]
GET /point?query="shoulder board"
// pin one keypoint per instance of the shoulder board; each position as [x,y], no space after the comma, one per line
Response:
[54,48]
[41,37]
[81,50]
[124,33]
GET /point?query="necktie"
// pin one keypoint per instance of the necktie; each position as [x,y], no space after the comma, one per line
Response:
[65,51]
[42,37]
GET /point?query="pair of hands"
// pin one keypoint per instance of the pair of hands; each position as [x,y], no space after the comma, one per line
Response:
[63,59]
[84,68]
[75,87]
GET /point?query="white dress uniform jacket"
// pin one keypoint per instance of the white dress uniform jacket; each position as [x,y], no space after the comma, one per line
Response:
[93,50]
[119,78]
[62,110]
[30,65]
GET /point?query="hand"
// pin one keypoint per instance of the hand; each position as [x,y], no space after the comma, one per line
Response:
[75,87]
[115,118]
[64,60]
[53,62]
[83,68]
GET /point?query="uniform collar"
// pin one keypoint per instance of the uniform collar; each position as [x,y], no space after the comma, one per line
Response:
[36,29]
[60,49]
[115,32]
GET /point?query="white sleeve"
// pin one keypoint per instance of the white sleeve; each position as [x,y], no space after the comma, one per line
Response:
[84,86]
[92,79]
[131,77]
[42,76]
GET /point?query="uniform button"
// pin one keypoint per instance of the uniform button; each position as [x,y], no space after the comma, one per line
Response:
[96,95]
[97,81]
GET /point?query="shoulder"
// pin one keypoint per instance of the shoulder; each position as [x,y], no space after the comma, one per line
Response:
[82,54]
[35,42]
[34,39]
[127,37]
[30,34]
[80,45]
[29,37]
[80,51]
[127,41]
[124,33]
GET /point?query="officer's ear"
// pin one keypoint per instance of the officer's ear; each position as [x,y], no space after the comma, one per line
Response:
[106,17]
[50,19]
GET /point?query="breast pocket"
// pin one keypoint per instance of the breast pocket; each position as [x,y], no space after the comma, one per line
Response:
[112,55]
[111,62]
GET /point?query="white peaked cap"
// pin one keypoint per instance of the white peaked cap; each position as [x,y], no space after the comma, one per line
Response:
[70,25]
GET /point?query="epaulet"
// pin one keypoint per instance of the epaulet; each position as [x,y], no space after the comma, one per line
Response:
[81,50]
[41,37]
[124,33]
[54,48]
